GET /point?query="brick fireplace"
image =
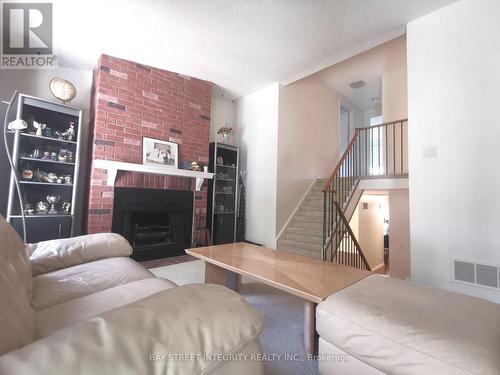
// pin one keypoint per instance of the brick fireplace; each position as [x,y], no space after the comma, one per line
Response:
[131,101]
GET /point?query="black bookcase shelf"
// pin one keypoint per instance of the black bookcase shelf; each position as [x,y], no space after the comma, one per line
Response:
[26,148]
[44,183]
[46,161]
[222,205]
[50,139]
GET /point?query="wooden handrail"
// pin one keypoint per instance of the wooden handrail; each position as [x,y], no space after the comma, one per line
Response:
[326,187]
[341,160]
[384,124]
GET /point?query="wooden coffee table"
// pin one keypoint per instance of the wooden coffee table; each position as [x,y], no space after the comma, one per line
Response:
[310,279]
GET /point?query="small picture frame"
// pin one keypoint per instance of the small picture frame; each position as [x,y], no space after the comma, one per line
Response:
[160,153]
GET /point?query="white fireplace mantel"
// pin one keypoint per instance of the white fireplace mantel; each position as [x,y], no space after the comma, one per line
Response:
[113,167]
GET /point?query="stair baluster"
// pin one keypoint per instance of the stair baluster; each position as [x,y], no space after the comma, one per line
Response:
[363,158]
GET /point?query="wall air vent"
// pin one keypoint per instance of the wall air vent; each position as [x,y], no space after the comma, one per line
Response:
[478,274]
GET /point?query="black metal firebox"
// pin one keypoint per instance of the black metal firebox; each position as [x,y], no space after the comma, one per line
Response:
[157,223]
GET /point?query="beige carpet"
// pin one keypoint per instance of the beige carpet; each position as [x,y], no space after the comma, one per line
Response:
[181,273]
[283,335]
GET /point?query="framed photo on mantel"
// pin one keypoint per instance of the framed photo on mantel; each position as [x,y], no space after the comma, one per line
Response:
[160,153]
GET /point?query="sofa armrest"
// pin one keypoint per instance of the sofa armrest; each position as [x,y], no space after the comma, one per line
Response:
[48,256]
[148,337]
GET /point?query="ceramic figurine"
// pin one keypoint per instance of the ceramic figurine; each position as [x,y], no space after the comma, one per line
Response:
[41,208]
[63,156]
[27,174]
[195,167]
[51,177]
[70,133]
[39,128]
[36,154]
[28,209]
[66,206]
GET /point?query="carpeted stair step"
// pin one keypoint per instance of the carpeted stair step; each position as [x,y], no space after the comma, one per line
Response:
[300,237]
[301,230]
[300,245]
[305,211]
[308,219]
[304,252]
[307,224]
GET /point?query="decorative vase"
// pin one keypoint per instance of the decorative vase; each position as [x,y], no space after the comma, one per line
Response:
[225,137]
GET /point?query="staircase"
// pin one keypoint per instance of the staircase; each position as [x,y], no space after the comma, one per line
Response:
[304,233]
[320,226]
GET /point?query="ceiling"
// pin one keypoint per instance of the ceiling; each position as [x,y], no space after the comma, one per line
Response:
[239,45]
[367,67]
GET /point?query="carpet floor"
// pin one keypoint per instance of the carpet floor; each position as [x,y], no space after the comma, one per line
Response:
[283,335]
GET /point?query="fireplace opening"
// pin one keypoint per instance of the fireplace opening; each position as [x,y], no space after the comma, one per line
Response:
[157,223]
[155,228]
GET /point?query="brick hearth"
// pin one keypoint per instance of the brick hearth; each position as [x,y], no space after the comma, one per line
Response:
[131,101]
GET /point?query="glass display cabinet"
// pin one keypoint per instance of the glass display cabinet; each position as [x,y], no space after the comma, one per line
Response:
[46,156]
[222,192]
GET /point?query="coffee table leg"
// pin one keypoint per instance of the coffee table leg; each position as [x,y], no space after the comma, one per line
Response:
[214,274]
[218,275]
[310,327]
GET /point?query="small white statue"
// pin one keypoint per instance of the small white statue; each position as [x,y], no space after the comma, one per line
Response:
[39,127]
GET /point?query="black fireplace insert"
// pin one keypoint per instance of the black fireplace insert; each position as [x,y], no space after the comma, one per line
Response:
[157,223]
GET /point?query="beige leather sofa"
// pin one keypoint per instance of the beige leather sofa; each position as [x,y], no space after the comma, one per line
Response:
[81,306]
[384,325]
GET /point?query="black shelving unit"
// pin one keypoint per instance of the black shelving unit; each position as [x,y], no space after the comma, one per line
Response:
[222,192]
[62,161]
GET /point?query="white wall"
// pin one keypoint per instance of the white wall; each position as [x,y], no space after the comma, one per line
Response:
[257,116]
[394,105]
[223,112]
[394,84]
[399,229]
[369,227]
[453,95]
[36,83]
[308,140]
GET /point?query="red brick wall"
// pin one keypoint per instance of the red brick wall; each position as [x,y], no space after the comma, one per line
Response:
[131,101]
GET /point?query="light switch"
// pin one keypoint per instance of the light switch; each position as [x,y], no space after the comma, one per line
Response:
[430,152]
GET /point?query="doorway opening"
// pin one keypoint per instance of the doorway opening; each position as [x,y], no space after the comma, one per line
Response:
[345,126]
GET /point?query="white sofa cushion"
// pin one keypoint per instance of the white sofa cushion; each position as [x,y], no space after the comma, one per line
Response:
[48,256]
[53,288]
[77,310]
[401,327]
[17,326]
[190,319]
[13,251]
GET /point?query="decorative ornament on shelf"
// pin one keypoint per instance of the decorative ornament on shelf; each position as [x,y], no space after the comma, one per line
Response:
[53,200]
[62,89]
[225,131]
[195,166]
[39,128]
[68,134]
